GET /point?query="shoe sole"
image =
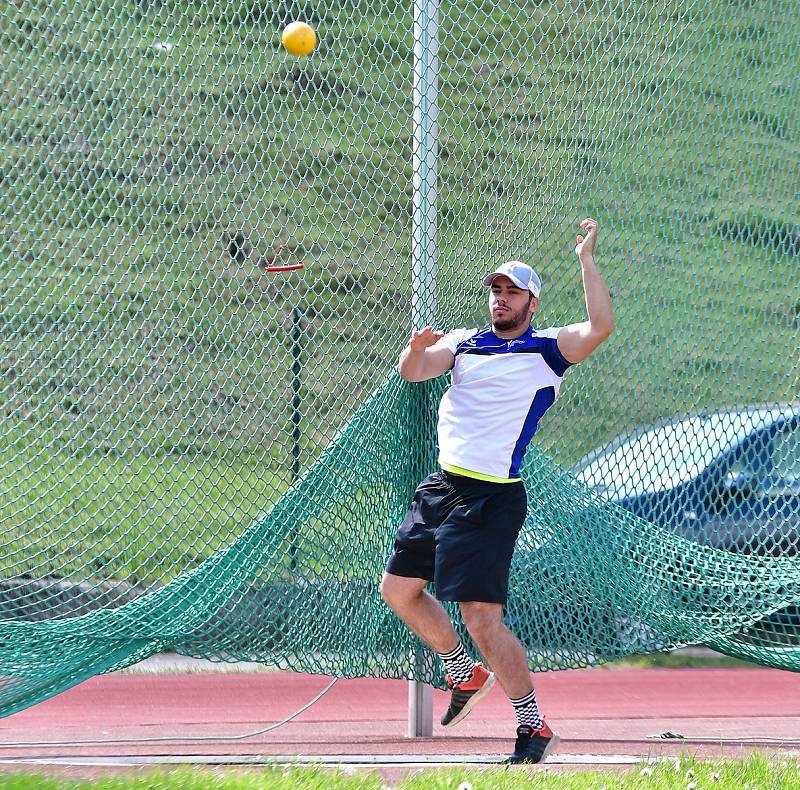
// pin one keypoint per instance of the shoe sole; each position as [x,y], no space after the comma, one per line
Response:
[473,701]
[548,750]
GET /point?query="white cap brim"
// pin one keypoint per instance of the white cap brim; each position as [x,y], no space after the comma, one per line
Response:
[490,278]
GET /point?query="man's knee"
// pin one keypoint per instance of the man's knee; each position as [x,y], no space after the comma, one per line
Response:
[399,591]
[482,620]
[388,588]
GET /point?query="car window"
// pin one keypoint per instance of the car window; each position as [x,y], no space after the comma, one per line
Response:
[745,465]
[786,455]
[753,459]
[664,457]
[654,460]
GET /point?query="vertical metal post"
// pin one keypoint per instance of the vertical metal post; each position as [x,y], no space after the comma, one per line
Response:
[296,337]
[420,710]
[296,351]
[424,241]
[425,163]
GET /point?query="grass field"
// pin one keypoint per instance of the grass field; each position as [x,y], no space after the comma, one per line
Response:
[757,773]
[145,356]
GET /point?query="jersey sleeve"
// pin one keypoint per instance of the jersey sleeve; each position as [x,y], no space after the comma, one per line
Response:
[453,339]
[551,354]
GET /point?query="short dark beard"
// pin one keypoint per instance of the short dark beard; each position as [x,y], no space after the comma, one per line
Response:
[509,324]
[515,320]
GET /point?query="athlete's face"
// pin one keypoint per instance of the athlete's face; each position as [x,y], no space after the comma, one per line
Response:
[510,307]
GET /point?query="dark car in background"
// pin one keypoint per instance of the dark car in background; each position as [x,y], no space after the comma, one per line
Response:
[728,479]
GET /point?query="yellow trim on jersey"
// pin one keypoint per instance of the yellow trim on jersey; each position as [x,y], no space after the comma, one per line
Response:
[457,470]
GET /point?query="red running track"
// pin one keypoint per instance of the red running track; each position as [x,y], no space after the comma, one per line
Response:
[596,712]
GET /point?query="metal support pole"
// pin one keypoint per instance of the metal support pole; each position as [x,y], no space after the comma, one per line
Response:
[424,242]
[420,710]
[296,352]
[425,156]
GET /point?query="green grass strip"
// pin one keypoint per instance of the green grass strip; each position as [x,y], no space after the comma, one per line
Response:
[759,772]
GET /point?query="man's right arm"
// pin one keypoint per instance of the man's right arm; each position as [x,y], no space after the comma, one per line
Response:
[422,358]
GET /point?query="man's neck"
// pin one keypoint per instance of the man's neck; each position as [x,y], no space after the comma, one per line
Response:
[510,334]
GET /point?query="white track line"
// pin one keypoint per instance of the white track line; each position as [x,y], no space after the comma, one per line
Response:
[330,760]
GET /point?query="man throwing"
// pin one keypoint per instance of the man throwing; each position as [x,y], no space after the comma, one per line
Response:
[464,520]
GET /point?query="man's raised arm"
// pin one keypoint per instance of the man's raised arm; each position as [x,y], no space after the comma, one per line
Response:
[577,341]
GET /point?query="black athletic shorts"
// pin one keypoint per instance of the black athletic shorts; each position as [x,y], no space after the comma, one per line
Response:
[459,533]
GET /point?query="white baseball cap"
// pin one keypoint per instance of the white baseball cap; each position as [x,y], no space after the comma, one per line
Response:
[520,274]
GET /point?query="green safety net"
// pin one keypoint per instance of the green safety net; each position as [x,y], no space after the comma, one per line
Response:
[201,455]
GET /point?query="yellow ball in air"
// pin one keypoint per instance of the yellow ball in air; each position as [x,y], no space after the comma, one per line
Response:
[299,38]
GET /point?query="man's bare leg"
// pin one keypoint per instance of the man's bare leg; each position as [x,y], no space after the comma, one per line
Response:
[420,611]
[503,651]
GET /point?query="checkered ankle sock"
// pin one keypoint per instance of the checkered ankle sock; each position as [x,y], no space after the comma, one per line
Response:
[458,664]
[527,711]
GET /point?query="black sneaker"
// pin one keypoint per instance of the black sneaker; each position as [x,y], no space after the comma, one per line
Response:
[466,695]
[532,746]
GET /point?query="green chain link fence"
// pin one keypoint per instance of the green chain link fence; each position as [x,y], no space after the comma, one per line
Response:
[199,455]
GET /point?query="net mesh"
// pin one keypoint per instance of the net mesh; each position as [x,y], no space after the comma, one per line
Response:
[197,454]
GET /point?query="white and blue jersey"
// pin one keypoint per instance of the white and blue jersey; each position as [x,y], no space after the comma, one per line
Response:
[500,390]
